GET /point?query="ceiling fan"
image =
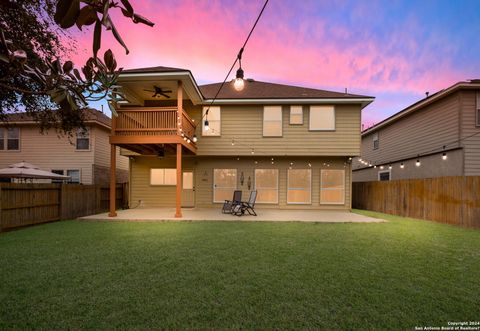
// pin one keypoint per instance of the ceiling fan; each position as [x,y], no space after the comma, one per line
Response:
[158,91]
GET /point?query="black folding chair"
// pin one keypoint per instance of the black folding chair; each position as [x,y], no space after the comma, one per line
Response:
[229,205]
[248,206]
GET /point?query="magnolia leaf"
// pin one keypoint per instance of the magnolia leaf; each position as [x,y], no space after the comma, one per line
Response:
[126,13]
[67,66]
[140,19]
[127,6]
[4,58]
[77,74]
[87,16]
[67,12]
[97,38]
[109,59]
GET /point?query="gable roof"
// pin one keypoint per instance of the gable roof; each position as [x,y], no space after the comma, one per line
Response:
[263,90]
[152,69]
[91,116]
[472,84]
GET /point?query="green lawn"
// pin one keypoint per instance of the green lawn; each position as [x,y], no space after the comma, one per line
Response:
[234,275]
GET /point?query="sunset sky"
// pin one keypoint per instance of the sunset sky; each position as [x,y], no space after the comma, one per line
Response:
[393,50]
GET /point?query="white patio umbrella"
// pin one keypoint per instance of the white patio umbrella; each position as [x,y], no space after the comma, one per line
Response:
[27,170]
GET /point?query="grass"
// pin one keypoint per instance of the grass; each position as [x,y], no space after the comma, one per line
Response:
[224,275]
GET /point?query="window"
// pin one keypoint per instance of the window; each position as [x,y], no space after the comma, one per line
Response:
[2,139]
[58,172]
[213,117]
[163,176]
[74,176]
[224,183]
[478,109]
[296,115]
[299,186]
[83,139]
[384,175]
[375,140]
[12,137]
[322,118]
[332,186]
[266,184]
[272,121]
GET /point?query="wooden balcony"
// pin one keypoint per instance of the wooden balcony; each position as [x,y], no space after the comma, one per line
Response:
[149,130]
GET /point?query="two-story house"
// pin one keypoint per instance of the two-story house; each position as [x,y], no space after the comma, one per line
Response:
[435,137]
[293,145]
[85,156]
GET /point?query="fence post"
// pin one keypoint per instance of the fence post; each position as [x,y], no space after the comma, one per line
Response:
[62,212]
[98,199]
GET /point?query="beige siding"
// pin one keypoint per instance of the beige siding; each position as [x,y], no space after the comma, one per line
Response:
[244,124]
[424,130]
[431,166]
[157,196]
[472,144]
[48,152]
[102,150]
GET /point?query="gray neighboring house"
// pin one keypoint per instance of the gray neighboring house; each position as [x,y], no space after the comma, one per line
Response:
[435,137]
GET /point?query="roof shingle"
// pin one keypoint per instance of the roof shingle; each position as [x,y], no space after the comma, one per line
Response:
[262,90]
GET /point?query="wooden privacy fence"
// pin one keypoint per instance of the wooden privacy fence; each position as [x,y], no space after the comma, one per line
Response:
[452,200]
[26,204]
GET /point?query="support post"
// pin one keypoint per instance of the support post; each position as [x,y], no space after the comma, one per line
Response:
[113,168]
[180,107]
[178,212]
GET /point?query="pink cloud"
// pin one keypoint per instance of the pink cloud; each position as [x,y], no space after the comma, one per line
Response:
[205,36]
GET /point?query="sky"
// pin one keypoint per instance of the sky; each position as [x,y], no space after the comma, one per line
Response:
[392,50]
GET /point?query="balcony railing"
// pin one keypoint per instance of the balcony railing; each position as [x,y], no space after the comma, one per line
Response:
[152,122]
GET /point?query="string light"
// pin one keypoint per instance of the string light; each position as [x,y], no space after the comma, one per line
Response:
[206,125]
[444,156]
[390,166]
[402,166]
[233,142]
[418,163]
[194,138]
[381,167]
[253,151]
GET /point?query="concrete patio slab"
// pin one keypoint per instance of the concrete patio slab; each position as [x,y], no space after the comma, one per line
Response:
[211,214]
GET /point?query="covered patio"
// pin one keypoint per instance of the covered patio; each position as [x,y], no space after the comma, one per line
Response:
[211,214]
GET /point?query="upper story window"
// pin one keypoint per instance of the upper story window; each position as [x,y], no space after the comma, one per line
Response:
[83,139]
[322,118]
[10,139]
[272,121]
[213,118]
[376,142]
[478,109]
[296,115]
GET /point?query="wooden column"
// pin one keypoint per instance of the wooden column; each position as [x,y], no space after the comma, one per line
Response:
[178,212]
[113,179]
[178,203]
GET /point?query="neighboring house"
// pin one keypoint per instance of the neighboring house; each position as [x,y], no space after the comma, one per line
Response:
[437,136]
[85,157]
[291,144]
